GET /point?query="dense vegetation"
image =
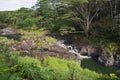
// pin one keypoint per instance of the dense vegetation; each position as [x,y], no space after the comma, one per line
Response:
[15,67]
[98,21]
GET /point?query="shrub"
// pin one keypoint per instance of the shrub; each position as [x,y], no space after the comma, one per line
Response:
[111,77]
[25,68]
[68,70]
[59,67]
[111,48]
[27,61]
[28,22]
[38,38]
[118,73]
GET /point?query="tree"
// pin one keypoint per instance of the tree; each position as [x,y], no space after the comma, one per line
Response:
[86,12]
[82,11]
[52,14]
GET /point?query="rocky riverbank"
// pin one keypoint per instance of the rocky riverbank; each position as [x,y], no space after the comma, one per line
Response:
[67,47]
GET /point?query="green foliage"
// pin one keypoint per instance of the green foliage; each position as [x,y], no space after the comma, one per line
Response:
[56,65]
[66,30]
[28,23]
[38,38]
[46,74]
[28,67]
[5,40]
[117,73]
[19,19]
[110,47]
[27,61]
[68,70]
[47,69]
[88,63]
[63,16]
[111,77]
[8,58]
[109,73]
[50,40]
[23,68]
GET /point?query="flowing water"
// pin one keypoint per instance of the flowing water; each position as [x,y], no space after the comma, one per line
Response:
[71,49]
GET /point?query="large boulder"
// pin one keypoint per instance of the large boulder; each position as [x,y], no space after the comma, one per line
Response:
[94,52]
[91,51]
[106,60]
[84,50]
[109,60]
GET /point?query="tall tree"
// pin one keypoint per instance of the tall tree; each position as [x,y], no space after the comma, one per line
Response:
[87,11]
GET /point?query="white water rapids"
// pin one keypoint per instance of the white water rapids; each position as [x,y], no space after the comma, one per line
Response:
[71,49]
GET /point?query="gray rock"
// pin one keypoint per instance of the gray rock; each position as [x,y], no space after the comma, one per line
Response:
[9,32]
[57,48]
[109,60]
[24,45]
[94,52]
[91,51]
[117,60]
[84,51]
[106,61]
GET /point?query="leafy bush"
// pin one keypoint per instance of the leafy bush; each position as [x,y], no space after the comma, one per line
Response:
[38,38]
[28,23]
[59,67]
[28,61]
[6,41]
[111,77]
[68,70]
[66,30]
[48,69]
[8,58]
[111,48]
[24,68]
[50,40]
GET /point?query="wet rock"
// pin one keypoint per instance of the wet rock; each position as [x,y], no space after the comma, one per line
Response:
[84,50]
[94,52]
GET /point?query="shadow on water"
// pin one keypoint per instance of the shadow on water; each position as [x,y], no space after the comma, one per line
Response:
[95,66]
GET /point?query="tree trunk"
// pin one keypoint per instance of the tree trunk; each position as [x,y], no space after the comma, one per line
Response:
[87,26]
